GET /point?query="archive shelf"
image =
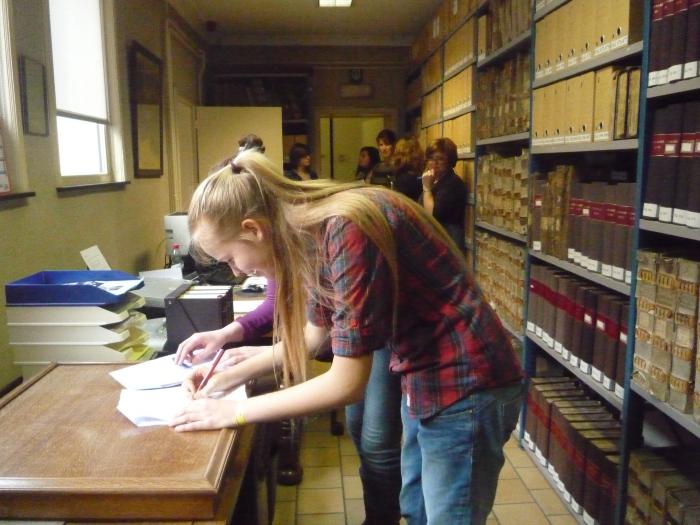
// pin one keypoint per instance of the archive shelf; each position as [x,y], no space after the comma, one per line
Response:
[584,147]
[683,86]
[464,111]
[684,420]
[522,239]
[552,483]
[457,70]
[607,282]
[594,63]
[431,88]
[541,12]
[466,156]
[516,137]
[514,45]
[515,333]
[674,230]
[586,379]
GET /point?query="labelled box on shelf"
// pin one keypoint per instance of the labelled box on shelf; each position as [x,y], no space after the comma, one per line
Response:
[557,28]
[602,24]
[621,79]
[625,24]
[559,119]
[483,32]
[541,42]
[575,9]
[604,104]
[587,19]
[586,97]
[459,48]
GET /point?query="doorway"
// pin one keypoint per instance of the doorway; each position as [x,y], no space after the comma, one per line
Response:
[341,140]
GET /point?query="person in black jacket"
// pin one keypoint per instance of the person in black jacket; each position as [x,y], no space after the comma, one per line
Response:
[368,159]
[300,163]
[444,193]
[407,166]
[386,140]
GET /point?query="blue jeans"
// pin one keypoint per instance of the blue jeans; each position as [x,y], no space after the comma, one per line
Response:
[374,425]
[450,462]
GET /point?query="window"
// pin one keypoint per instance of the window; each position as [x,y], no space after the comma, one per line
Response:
[82,44]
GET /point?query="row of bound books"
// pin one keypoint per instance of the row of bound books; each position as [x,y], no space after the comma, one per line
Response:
[587,223]
[577,439]
[674,51]
[663,486]
[585,324]
[672,192]
[503,95]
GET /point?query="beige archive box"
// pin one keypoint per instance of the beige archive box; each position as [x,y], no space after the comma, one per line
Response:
[602,25]
[570,109]
[625,23]
[557,25]
[459,49]
[559,120]
[587,14]
[483,36]
[604,104]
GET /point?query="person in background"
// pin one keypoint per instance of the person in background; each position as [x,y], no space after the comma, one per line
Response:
[444,193]
[202,346]
[386,140]
[300,163]
[368,159]
[362,269]
[407,163]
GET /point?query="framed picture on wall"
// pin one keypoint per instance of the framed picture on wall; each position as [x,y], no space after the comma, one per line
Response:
[146,103]
[32,76]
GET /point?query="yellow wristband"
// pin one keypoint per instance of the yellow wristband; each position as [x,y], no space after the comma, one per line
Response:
[239,419]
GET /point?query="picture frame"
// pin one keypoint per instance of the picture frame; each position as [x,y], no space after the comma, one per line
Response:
[146,104]
[35,114]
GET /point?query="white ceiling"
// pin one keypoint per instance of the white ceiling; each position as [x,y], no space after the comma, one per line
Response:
[302,22]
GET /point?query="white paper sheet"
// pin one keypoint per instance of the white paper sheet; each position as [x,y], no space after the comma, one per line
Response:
[156,373]
[147,408]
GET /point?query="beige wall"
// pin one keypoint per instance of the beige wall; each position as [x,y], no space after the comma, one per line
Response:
[49,230]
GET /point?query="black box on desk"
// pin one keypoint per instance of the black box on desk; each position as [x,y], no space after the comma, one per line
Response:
[192,308]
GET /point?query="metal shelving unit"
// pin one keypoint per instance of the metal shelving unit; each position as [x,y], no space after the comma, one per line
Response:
[505,51]
[584,147]
[456,71]
[607,282]
[594,63]
[675,230]
[468,109]
[674,88]
[516,137]
[585,378]
[684,420]
[522,239]
[553,5]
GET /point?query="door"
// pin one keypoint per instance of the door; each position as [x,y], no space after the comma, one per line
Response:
[220,127]
[185,166]
[341,141]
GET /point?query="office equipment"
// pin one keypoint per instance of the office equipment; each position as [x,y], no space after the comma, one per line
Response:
[190,309]
[67,454]
[176,232]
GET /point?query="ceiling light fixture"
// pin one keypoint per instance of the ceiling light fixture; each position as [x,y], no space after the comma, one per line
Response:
[334,3]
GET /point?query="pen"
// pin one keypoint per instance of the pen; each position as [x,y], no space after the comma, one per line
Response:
[207,377]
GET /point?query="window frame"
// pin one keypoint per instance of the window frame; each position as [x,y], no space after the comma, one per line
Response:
[114,146]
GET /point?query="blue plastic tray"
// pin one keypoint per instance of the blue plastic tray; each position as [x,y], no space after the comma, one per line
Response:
[58,287]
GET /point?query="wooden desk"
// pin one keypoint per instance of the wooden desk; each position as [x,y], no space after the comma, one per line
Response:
[66,453]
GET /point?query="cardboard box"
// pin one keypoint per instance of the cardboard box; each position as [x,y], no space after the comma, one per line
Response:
[483,36]
[586,105]
[586,16]
[625,24]
[604,104]
[602,24]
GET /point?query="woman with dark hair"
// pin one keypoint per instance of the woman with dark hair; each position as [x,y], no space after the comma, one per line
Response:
[386,140]
[300,163]
[368,159]
[444,194]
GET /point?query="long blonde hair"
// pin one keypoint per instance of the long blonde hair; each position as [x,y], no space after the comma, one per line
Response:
[253,187]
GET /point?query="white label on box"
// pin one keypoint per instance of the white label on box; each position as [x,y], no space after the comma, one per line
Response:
[596,374]
[570,253]
[619,391]
[538,331]
[650,210]
[565,353]
[662,77]
[573,359]
[690,69]
[566,495]
[606,270]
[550,469]
[678,216]
[561,486]
[692,219]
[540,5]
[628,276]
[594,265]
[575,506]
[619,42]
[586,56]
[623,337]
[600,324]
[587,518]
[557,347]
[572,61]
[584,367]
[601,136]
[665,214]
[675,72]
[587,319]
[687,146]
[530,326]
[618,273]
[537,245]
[652,79]
[543,461]
[608,383]
[549,340]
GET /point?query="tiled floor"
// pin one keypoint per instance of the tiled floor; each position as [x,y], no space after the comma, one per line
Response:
[331,493]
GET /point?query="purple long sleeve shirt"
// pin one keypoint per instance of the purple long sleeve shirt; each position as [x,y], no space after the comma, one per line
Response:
[259,322]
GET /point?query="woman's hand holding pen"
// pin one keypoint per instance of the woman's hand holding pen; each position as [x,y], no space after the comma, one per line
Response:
[219,382]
